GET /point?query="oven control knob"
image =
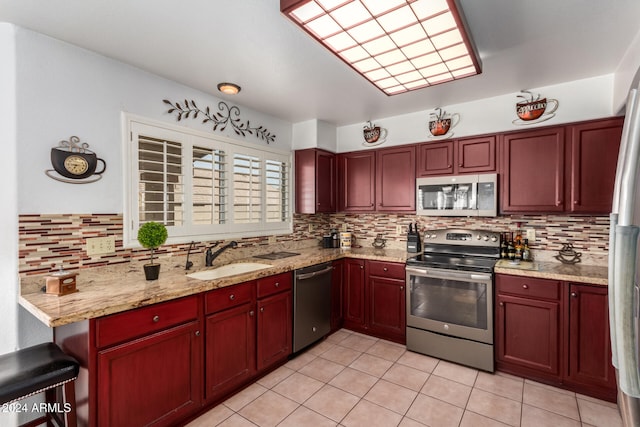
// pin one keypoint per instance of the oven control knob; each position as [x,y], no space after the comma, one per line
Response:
[446,327]
[486,238]
[494,239]
[479,237]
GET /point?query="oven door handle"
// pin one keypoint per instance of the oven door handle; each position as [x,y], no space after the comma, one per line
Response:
[448,274]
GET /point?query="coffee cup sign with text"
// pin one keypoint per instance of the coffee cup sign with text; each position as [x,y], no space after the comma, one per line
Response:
[533,110]
[374,134]
[440,126]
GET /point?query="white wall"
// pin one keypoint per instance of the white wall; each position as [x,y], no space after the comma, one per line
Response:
[627,74]
[579,100]
[63,90]
[314,133]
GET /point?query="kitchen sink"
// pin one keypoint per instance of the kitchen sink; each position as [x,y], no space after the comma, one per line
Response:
[228,270]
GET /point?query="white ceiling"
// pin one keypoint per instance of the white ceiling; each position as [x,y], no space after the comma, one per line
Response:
[285,73]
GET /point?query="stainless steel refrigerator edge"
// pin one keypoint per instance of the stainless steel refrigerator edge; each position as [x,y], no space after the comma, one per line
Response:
[311,304]
[623,267]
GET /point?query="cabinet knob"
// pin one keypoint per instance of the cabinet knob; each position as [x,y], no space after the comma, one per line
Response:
[525,286]
[449,166]
[197,333]
[575,202]
[385,269]
[501,304]
[362,267]
[574,295]
[232,297]
[402,288]
[261,309]
[251,313]
[156,319]
[277,284]
[460,165]
[558,202]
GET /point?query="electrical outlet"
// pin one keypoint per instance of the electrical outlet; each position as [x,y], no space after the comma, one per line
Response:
[344,227]
[531,235]
[310,228]
[101,245]
[271,240]
[398,229]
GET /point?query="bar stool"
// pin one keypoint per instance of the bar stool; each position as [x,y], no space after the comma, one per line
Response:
[41,368]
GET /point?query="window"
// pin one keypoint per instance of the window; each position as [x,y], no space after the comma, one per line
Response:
[202,186]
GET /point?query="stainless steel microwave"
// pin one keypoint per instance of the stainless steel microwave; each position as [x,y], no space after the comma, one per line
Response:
[459,195]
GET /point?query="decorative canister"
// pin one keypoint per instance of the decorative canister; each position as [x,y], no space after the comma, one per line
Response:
[345,240]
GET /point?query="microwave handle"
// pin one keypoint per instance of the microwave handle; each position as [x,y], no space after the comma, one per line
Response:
[474,192]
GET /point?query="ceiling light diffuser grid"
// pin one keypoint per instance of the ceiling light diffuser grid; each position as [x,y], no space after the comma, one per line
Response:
[398,45]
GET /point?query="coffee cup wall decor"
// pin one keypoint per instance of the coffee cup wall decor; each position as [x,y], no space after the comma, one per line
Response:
[74,163]
[534,109]
[374,135]
[441,123]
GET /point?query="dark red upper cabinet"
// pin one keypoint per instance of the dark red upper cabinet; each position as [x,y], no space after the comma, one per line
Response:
[396,179]
[357,181]
[467,155]
[533,171]
[592,168]
[474,155]
[315,171]
[435,158]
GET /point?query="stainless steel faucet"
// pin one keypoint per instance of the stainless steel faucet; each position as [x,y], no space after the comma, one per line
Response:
[210,257]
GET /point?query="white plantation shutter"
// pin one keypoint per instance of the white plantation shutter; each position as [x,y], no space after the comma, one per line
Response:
[209,186]
[202,186]
[161,189]
[277,194]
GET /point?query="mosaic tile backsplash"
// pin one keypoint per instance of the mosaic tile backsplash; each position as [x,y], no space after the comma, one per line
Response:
[46,241]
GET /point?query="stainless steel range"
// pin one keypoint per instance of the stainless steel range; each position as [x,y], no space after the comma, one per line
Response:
[450,298]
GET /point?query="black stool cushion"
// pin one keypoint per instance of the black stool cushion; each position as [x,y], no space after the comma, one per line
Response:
[34,368]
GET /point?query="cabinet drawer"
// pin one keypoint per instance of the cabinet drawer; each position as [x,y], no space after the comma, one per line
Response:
[274,284]
[231,296]
[143,321]
[386,269]
[528,287]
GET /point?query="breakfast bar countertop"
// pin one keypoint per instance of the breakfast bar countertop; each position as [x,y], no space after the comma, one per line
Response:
[121,287]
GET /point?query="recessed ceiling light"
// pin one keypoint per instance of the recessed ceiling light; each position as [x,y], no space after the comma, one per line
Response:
[229,88]
[398,45]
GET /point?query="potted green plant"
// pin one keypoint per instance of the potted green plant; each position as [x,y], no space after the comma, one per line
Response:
[151,235]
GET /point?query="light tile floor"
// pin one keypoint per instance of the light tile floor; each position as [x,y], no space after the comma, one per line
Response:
[352,380]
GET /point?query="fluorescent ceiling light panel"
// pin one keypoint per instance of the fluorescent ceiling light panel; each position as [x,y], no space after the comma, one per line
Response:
[398,45]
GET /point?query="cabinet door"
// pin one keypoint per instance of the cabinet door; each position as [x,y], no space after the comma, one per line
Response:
[435,158]
[274,329]
[396,179]
[336,295]
[533,165]
[594,157]
[230,349]
[154,380]
[589,346]
[475,155]
[357,181]
[353,286]
[387,317]
[315,181]
[325,181]
[527,336]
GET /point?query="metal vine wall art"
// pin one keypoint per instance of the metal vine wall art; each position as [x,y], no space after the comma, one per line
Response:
[226,115]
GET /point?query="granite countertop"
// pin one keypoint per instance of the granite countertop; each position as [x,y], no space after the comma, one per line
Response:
[581,273]
[121,287]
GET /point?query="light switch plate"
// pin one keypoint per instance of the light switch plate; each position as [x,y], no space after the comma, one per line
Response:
[271,240]
[101,245]
[531,235]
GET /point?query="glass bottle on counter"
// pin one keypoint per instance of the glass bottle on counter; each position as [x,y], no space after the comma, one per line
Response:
[526,252]
[511,250]
[517,241]
[504,247]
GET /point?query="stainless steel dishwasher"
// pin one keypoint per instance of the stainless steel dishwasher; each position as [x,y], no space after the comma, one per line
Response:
[311,304]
